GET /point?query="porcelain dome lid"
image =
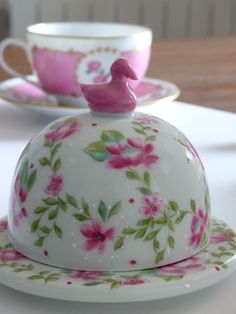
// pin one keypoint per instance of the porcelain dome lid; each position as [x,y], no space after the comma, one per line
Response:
[109,189]
[97,193]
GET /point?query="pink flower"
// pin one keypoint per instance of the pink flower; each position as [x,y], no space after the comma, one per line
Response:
[100,79]
[3,225]
[11,255]
[218,237]
[133,281]
[198,227]
[20,192]
[64,130]
[151,204]
[96,236]
[183,267]
[55,185]
[87,275]
[131,153]
[146,119]
[94,66]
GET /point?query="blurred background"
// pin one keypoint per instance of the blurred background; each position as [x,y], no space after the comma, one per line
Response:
[169,19]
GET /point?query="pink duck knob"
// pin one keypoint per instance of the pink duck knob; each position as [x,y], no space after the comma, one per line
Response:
[115,96]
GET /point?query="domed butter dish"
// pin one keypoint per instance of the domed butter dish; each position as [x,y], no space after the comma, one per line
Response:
[110,199]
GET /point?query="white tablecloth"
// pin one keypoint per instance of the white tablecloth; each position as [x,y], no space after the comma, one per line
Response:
[212,132]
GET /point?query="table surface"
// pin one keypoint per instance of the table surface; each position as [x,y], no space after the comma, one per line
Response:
[204,69]
[213,134]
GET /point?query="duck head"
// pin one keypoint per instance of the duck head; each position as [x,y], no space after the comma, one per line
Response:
[122,69]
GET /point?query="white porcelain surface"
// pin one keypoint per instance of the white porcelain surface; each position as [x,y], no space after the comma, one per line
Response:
[213,264]
[92,192]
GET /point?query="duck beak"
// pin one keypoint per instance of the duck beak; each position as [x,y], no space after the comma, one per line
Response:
[130,73]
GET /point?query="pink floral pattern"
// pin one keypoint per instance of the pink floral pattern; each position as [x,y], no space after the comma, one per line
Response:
[11,255]
[219,237]
[94,65]
[96,236]
[87,275]
[133,281]
[146,119]
[131,153]
[182,268]
[3,225]
[198,227]
[151,204]
[55,185]
[62,131]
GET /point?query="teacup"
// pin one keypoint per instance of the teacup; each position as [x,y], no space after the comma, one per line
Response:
[64,54]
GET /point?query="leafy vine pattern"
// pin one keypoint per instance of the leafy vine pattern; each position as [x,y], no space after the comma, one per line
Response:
[157,217]
[216,256]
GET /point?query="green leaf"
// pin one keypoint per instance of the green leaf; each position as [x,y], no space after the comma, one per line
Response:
[44,161]
[174,206]
[31,180]
[161,221]
[34,225]
[97,151]
[55,149]
[145,191]
[119,243]
[151,138]
[141,232]
[133,175]
[128,231]
[57,165]
[193,206]
[156,244]
[24,172]
[112,136]
[143,222]
[40,210]
[47,143]
[151,235]
[80,217]
[35,277]
[102,209]
[115,209]
[140,131]
[39,242]
[57,230]
[92,283]
[147,178]
[180,217]
[115,284]
[52,214]
[160,256]
[171,242]
[62,204]
[50,201]
[71,200]
[85,207]
[45,229]
[171,225]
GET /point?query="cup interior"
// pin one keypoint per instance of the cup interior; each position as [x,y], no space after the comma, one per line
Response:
[85,30]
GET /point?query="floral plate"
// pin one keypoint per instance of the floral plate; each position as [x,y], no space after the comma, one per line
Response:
[17,92]
[195,273]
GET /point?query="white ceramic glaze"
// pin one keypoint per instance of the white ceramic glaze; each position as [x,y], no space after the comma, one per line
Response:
[208,267]
[100,192]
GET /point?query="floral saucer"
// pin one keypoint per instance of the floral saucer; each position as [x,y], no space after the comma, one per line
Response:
[25,95]
[213,264]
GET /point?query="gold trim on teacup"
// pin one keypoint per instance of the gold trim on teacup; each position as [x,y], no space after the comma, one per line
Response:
[145,30]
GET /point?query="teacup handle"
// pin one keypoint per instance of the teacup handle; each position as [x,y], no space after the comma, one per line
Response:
[6,67]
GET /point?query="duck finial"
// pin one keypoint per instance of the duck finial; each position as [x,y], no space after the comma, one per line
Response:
[115,96]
